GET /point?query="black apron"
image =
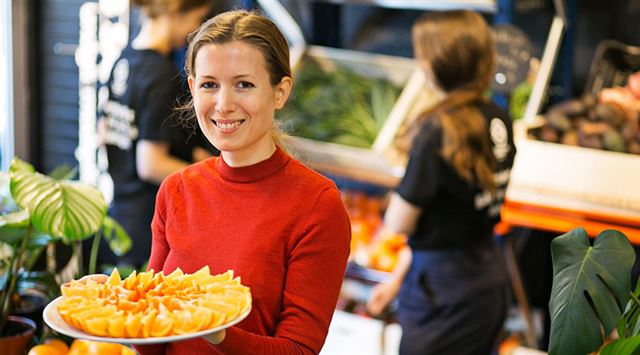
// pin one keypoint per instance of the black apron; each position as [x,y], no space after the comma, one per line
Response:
[453,301]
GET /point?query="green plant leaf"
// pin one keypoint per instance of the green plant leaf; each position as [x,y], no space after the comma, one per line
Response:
[17,219]
[629,346]
[63,172]
[591,285]
[67,209]
[629,324]
[13,226]
[329,104]
[118,239]
[40,280]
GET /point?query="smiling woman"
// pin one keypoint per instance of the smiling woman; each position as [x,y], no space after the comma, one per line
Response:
[280,226]
[235,101]
[239,78]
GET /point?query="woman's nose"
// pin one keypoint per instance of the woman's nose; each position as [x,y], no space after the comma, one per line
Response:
[224,100]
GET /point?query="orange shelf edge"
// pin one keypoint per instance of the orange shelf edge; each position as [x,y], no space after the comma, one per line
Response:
[561,221]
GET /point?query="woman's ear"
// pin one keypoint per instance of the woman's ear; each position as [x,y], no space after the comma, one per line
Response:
[282,92]
[191,80]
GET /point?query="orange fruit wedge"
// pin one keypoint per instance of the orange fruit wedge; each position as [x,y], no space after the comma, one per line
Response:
[146,323]
[96,326]
[132,325]
[114,278]
[116,327]
[162,325]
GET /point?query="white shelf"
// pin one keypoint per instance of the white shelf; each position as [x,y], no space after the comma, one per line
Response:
[355,163]
[575,178]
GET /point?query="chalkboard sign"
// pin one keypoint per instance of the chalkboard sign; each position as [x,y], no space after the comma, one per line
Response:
[513,52]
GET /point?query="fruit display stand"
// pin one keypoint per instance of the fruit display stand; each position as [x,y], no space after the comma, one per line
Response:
[558,187]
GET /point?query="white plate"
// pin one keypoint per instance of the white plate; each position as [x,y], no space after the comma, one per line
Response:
[53,320]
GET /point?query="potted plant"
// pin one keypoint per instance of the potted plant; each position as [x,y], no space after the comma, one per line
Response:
[46,209]
[591,295]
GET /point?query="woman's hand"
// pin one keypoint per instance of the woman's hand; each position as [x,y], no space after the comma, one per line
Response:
[99,278]
[215,338]
[381,295]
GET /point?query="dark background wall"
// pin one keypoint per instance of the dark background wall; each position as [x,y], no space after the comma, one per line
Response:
[56,107]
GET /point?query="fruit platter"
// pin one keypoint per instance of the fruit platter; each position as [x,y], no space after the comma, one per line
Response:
[149,307]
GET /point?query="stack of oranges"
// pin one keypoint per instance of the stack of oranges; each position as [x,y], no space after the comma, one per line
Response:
[372,245]
[385,250]
[151,304]
[80,347]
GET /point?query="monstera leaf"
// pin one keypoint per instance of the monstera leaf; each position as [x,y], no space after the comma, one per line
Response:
[61,208]
[591,285]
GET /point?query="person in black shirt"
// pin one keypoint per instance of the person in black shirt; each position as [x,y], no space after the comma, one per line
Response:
[144,140]
[450,281]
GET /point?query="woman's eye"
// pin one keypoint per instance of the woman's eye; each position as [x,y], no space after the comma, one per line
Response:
[209,85]
[245,85]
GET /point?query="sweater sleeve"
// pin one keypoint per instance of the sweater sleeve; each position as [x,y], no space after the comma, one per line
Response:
[159,245]
[315,270]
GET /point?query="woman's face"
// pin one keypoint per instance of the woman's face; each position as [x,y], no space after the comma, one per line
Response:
[235,102]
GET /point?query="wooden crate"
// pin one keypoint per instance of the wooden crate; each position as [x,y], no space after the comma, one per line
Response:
[575,178]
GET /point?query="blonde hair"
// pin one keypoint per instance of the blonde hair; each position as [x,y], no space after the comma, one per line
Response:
[458,48]
[251,28]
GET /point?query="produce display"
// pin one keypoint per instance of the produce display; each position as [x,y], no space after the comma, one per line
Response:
[609,120]
[337,105]
[371,245]
[80,347]
[150,304]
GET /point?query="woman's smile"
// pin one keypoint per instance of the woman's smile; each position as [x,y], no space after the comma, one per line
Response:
[227,126]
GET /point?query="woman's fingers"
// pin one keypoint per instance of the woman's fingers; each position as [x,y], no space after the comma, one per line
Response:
[381,295]
[99,278]
[215,338]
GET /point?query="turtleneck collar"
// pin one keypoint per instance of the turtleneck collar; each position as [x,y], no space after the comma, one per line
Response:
[256,171]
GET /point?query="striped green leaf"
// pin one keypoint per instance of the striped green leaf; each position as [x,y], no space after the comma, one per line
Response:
[61,208]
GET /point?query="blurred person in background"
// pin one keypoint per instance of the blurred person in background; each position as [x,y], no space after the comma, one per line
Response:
[277,224]
[144,141]
[450,281]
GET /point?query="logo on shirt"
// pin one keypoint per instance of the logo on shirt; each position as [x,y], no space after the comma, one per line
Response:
[119,125]
[120,129]
[500,137]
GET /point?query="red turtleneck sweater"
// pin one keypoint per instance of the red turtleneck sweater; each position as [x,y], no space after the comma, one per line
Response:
[280,226]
